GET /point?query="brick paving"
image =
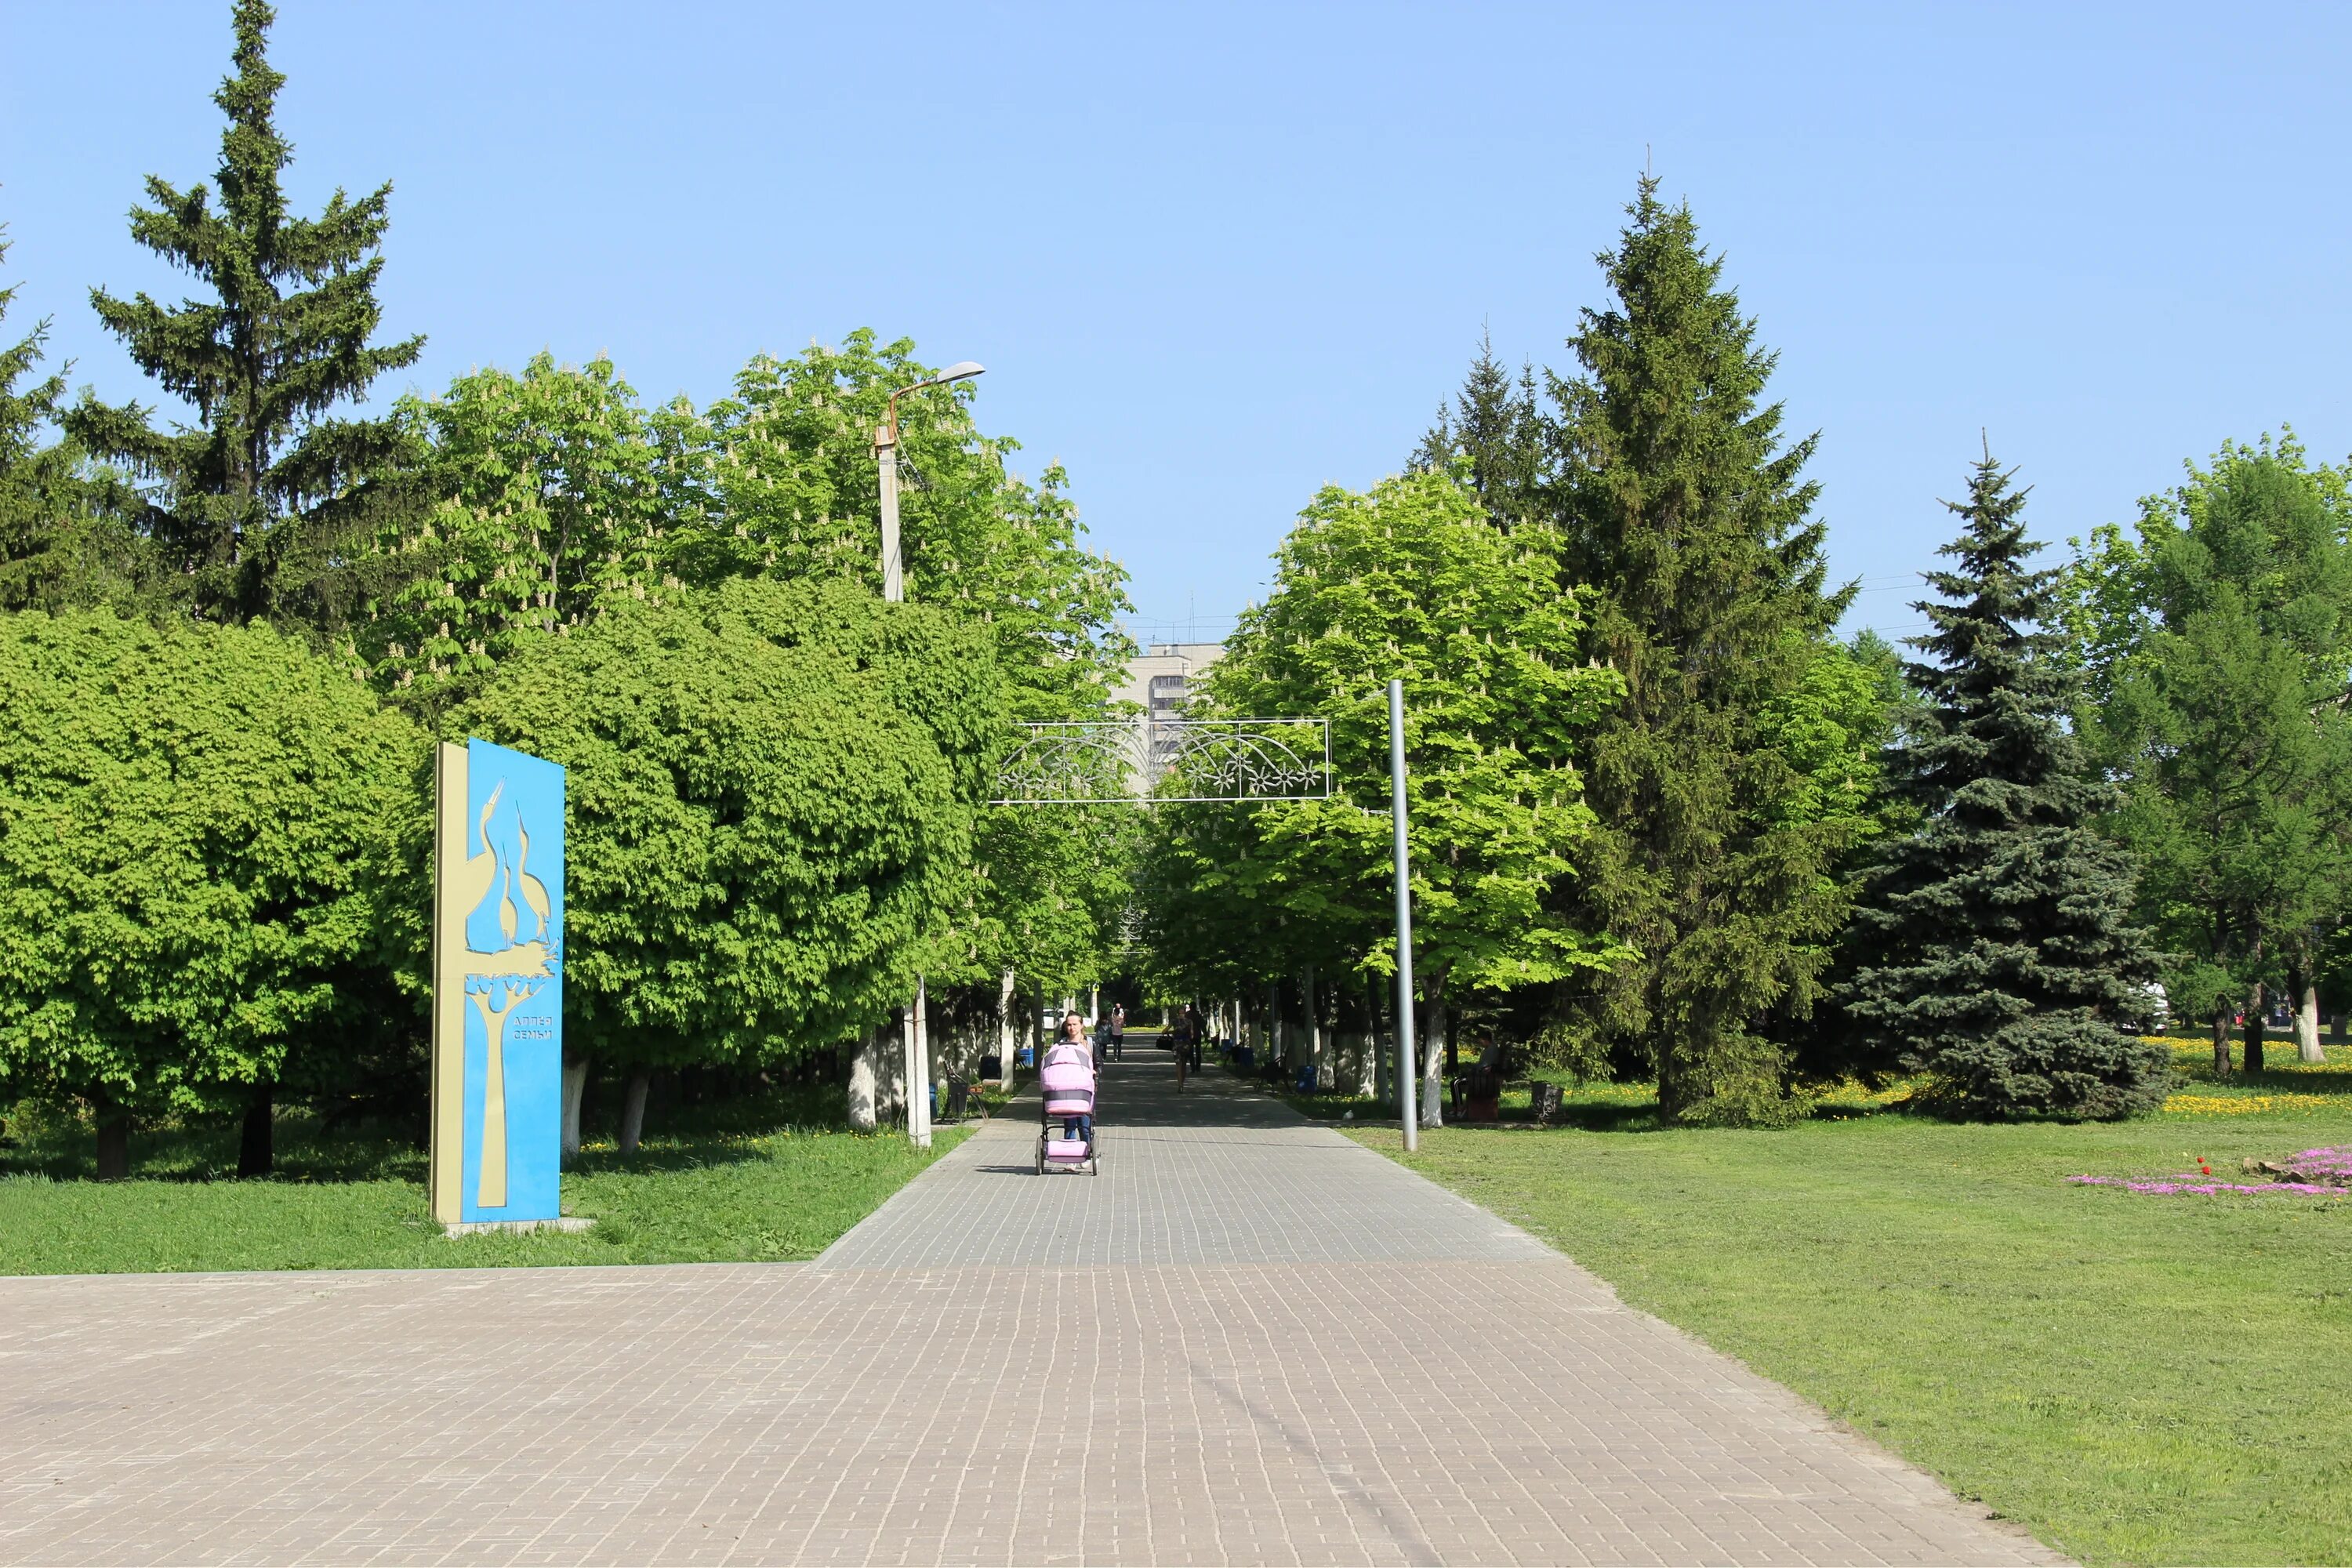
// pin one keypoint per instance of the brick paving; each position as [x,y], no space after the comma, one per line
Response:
[1248,1341]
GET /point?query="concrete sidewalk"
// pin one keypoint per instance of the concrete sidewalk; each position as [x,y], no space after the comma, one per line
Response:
[1247,1340]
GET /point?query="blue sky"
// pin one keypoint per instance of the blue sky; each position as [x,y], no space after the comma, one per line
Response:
[1215,256]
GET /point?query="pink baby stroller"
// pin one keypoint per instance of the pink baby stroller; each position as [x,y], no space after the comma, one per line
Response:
[1067,1078]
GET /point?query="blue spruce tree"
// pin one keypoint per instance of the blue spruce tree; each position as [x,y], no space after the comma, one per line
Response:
[2004,964]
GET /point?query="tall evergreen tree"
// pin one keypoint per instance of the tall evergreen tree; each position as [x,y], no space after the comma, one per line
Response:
[257,499]
[1496,429]
[36,477]
[1686,517]
[2007,967]
[60,543]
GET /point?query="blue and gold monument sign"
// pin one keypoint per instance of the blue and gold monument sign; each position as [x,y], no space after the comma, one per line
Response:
[497,986]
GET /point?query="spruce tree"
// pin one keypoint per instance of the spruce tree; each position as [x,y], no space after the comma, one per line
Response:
[1688,531]
[256,500]
[36,477]
[1496,429]
[61,541]
[2002,961]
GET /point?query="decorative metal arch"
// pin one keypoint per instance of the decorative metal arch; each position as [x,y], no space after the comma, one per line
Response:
[1127,762]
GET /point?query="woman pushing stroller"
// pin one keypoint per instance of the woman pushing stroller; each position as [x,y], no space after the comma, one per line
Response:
[1066,1078]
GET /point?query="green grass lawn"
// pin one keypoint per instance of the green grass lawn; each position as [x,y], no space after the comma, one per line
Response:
[2137,1379]
[772,1179]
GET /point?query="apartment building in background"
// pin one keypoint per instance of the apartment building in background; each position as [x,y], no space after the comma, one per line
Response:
[1159,677]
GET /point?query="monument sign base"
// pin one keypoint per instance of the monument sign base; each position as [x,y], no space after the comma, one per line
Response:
[516,1226]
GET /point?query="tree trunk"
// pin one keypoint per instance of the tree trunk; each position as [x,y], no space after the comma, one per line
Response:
[2220,1036]
[114,1142]
[575,1090]
[865,1086]
[1008,1040]
[633,1110]
[2254,1027]
[1432,1058]
[1384,1061]
[890,1071]
[1314,1027]
[256,1155]
[918,1066]
[2306,1020]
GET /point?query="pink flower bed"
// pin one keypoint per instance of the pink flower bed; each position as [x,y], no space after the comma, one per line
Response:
[2315,1173]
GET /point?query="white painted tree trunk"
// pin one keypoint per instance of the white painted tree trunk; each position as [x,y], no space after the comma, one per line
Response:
[1433,1062]
[1008,1042]
[2307,1025]
[919,1093]
[633,1111]
[890,1072]
[575,1086]
[865,1081]
[1314,1028]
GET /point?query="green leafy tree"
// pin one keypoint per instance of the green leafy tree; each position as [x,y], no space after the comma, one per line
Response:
[259,500]
[546,504]
[1413,581]
[1837,729]
[2004,963]
[2220,637]
[770,795]
[1687,516]
[786,486]
[794,491]
[193,819]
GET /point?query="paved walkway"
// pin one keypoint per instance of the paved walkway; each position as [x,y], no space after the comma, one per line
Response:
[1247,1340]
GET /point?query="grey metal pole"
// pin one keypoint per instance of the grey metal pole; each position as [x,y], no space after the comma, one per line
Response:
[893,590]
[1407,1079]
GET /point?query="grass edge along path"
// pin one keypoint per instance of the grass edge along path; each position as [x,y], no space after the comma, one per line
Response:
[2136,1379]
[706,1194]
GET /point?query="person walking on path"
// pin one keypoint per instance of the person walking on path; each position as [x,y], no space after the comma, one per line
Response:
[1074,1046]
[1118,1031]
[1185,1028]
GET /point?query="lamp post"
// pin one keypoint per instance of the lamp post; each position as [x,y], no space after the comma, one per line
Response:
[1406,1082]
[914,1024]
[886,457]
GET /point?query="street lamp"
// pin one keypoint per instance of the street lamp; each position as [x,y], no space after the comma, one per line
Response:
[1407,1095]
[914,1024]
[886,457]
